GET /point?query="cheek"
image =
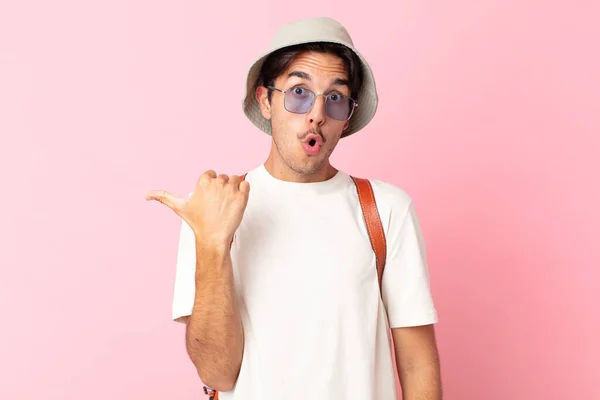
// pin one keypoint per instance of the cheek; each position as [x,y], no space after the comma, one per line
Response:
[292,123]
[334,132]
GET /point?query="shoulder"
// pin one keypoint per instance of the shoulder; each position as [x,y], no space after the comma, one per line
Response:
[399,218]
[390,196]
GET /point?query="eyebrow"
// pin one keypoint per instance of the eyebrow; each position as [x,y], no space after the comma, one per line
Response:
[305,76]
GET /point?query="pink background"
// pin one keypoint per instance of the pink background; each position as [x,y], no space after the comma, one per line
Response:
[489,118]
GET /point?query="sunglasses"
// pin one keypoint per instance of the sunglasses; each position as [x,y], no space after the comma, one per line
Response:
[299,100]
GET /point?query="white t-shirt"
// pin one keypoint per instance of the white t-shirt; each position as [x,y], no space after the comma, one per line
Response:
[314,323]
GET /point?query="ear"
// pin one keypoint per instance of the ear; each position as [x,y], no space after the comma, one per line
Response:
[262,96]
[346,125]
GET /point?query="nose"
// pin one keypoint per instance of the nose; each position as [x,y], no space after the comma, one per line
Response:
[316,115]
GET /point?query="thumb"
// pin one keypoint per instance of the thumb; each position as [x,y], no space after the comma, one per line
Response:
[174,203]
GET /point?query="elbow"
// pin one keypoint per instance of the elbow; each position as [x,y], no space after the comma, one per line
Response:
[219,376]
[225,387]
[220,383]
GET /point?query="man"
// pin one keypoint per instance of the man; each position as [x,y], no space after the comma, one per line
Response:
[278,284]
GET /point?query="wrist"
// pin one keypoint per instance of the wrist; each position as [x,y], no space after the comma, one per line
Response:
[212,243]
[211,256]
[214,248]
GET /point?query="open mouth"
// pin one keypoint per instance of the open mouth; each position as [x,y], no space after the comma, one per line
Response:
[313,140]
[312,145]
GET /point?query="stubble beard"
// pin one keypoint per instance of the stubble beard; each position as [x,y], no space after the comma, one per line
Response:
[313,165]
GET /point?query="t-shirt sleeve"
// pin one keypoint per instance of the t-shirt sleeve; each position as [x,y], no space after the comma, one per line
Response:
[185,273]
[405,284]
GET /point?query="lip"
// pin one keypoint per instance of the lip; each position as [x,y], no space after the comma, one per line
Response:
[317,138]
[312,150]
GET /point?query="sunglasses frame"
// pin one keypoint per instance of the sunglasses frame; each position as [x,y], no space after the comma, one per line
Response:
[355,103]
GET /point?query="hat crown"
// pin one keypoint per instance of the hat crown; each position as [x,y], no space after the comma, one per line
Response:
[319,29]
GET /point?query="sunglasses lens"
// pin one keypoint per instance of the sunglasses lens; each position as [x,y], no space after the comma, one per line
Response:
[299,100]
[339,106]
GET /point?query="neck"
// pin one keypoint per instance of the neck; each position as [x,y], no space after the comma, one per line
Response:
[280,170]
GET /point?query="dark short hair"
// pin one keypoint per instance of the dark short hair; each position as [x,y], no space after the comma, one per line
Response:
[278,61]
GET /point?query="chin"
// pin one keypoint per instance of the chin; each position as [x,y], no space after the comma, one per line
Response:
[307,167]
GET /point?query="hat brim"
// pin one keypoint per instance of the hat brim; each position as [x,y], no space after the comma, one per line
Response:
[367,97]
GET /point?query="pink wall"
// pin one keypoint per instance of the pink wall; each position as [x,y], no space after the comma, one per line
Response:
[489,118]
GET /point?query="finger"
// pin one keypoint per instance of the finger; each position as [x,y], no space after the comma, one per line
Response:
[206,177]
[223,178]
[235,180]
[244,187]
[162,196]
[243,193]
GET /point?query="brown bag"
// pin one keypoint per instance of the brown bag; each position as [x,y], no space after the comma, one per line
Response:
[368,205]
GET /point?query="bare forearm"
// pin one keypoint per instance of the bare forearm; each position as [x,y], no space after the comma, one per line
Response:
[422,383]
[214,335]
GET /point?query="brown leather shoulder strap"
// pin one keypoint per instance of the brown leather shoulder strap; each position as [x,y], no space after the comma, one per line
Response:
[368,204]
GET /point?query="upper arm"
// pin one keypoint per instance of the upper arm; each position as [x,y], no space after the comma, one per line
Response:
[415,347]
[406,290]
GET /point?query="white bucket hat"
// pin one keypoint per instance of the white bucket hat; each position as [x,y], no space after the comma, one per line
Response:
[311,30]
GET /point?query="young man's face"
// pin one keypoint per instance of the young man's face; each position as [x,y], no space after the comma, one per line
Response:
[305,141]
